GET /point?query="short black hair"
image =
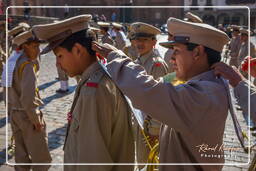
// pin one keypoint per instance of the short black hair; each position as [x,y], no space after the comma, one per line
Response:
[84,38]
[213,56]
[104,28]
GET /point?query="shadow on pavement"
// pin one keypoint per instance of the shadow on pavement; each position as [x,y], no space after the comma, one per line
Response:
[56,138]
[2,122]
[2,156]
[46,85]
[58,95]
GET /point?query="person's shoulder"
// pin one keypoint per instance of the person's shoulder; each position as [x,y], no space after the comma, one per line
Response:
[97,82]
[23,61]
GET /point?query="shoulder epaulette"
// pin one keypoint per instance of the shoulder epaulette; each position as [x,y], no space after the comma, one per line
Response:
[91,84]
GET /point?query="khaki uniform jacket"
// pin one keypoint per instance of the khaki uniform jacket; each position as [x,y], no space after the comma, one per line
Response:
[107,39]
[241,93]
[24,101]
[120,40]
[23,95]
[243,52]
[196,110]
[100,130]
[153,64]
[235,44]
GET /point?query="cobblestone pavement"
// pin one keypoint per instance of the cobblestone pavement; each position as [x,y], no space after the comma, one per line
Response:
[55,109]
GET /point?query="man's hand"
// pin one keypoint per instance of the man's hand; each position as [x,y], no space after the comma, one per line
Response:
[40,125]
[230,73]
[102,49]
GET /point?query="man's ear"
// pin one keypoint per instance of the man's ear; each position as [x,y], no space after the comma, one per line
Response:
[77,49]
[198,51]
[154,41]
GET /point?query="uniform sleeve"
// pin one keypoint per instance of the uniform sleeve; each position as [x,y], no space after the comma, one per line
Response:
[94,135]
[241,93]
[28,98]
[159,69]
[181,107]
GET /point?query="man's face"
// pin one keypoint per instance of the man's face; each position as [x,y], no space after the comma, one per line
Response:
[144,44]
[73,62]
[244,37]
[235,33]
[32,49]
[66,60]
[182,61]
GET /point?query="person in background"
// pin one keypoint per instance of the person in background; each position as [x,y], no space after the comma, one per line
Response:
[120,39]
[27,121]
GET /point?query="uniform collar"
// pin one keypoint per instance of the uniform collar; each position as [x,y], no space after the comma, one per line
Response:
[146,56]
[90,70]
[208,75]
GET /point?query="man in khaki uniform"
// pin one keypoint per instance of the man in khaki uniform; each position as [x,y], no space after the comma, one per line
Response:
[193,114]
[234,46]
[104,26]
[145,40]
[28,126]
[120,40]
[244,51]
[99,128]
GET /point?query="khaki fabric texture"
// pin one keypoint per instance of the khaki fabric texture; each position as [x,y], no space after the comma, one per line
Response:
[30,145]
[198,33]
[140,27]
[234,46]
[192,114]
[244,51]
[107,39]
[100,130]
[193,18]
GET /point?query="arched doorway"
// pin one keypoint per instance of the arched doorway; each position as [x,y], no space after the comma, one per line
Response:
[223,19]
[209,19]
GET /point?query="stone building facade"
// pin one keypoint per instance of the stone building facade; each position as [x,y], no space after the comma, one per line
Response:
[149,14]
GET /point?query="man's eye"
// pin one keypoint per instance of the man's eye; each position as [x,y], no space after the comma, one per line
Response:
[59,56]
